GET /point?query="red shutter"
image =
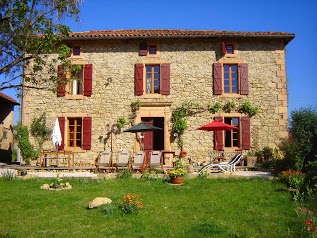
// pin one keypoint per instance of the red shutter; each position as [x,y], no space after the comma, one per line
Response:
[165,84]
[88,80]
[62,77]
[143,49]
[218,137]
[61,121]
[223,48]
[217,75]
[138,79]
[87,133]
[245,127]
[244,81]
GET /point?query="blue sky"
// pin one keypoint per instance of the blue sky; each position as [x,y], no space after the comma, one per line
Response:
[298,17]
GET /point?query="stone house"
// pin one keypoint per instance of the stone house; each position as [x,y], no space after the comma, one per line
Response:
[161,70]
[6,127]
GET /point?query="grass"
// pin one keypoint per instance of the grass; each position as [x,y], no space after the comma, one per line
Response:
[198,208]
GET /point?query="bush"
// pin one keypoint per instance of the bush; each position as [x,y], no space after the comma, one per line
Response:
[292,178]
[130,204]
[125,173]
[27,149]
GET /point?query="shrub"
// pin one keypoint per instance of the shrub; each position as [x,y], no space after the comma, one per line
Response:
[130,204]
[125,173]
[27,149]
[292,178]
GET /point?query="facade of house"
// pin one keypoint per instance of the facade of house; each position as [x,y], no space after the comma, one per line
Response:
[160,70]
[6,126]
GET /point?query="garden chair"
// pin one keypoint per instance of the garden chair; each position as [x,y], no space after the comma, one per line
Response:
[123,160]
[138,160]
[103,161]
[156,159]
[224,166]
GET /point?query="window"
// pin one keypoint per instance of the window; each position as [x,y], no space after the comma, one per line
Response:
[5,135]
[76,51]
[146,49]
[152,78]
[232,138]
[76,132]
[152,49]
[229,49]
[76,82]
[236,138]
[155,81]
[230,77]
[75,85]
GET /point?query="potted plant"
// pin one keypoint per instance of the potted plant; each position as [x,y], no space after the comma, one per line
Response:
[121,122]
[178,173]
[182,154]
[144,169]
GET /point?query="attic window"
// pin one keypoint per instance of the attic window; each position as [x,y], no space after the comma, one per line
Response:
[76,51]
[229,49]
[152,50]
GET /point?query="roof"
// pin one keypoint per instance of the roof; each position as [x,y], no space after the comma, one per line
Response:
[5,98]
[128,34]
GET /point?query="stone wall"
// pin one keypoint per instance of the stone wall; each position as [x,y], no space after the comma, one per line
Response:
[191,63]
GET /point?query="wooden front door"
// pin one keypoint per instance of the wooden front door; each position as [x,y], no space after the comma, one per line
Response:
[148,136]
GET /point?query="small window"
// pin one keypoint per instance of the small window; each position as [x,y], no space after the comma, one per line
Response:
[232,137]
[229,49]
[76,51]
[152,50]
[5,135]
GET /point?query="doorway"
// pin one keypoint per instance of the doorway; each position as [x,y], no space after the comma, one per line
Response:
[154,140]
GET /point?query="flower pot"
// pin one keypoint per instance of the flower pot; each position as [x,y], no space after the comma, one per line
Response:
[143,171]
[177,180]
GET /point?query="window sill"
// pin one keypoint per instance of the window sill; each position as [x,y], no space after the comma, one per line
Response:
[75,150]
[227,95]
[75,97]
[153,96]
[231,55]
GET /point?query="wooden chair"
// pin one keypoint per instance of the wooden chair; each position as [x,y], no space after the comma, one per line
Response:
[103,161]
[123,160]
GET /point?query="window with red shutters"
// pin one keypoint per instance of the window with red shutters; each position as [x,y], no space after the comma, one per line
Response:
[80,83]
[87,126]
[157,79]
[217,78]
[230,78]
[236,138]
[245,128]
[88,80]
[61,121]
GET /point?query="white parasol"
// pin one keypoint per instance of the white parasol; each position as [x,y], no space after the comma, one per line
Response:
[56,135]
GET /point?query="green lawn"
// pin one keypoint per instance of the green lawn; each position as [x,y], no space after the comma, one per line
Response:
[198,208]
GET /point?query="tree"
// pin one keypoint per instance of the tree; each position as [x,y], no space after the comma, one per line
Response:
[31,30]
[301,149]
[40,131]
